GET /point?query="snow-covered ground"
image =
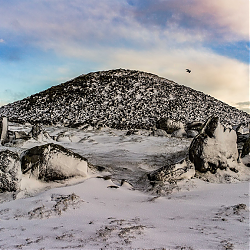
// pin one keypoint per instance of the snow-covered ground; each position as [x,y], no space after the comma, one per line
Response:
[99,213]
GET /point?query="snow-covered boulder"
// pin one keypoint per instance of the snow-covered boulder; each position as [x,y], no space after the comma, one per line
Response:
[10,171]
[172,173]
[169,125]
[215,147]
[51,162]
[4,130]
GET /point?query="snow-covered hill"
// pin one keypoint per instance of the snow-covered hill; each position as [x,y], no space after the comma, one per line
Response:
[121,99]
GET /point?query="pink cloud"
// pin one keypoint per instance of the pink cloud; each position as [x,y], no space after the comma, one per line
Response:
[230,16]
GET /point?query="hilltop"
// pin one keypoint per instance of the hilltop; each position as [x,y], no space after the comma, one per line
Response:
[121,99]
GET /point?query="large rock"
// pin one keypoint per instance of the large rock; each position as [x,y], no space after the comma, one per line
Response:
[215,147]
[4,130]
[53,162]
[169,125]
[10,171]
[172,173]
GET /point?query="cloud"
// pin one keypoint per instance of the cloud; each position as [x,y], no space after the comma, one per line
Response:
[243,106]
[142,23]
[215,19]
[1,40]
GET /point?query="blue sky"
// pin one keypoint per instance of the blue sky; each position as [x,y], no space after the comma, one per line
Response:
[45,43]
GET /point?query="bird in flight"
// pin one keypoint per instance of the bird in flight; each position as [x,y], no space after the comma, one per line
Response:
[188,70]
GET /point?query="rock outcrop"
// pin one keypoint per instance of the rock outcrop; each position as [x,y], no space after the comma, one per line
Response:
[215,147]
[53,162]
[10,171]
[172,173]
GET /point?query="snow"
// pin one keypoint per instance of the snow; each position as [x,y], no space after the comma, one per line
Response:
[89,213]
[69,166]
[121,218]
[222,147]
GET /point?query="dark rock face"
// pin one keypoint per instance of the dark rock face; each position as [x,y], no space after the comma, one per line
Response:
[210,126]
[197,126]
[53,162]
[172,173]
[121,99]
[215,147]
[10,171]
[246,148]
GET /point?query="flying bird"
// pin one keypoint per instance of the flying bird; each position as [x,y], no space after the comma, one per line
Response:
[188,70]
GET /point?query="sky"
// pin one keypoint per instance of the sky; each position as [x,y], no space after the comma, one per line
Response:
[47,42]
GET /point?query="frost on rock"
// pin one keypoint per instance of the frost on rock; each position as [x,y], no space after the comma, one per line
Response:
[53,162]
[215,147]
[10,171]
